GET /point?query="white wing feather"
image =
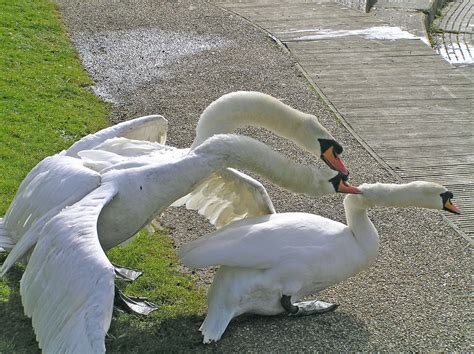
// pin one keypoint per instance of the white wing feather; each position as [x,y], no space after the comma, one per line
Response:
[6,242]
[136,148]
[149,128]
[122,153]
[68,285]
[54,183]
[227,196]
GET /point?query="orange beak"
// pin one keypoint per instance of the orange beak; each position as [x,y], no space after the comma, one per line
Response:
[334,161]
[345,187]
[451,207]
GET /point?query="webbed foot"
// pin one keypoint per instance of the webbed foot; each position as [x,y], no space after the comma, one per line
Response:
[305,308]
[125,273]
[314,307]
[131,304]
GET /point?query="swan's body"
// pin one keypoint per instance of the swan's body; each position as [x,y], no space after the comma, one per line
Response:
[68,282]
[265,259]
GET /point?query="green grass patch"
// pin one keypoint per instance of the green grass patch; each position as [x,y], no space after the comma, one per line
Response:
[173,327]
[44,107]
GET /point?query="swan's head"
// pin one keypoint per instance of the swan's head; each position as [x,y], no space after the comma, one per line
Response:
[448,205]
[330,151]
[340,185]
[315,139]
[414,194]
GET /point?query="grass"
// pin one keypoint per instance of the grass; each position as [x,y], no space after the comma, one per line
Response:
[44,107]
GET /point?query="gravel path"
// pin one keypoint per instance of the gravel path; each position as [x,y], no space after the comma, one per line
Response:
[174,59]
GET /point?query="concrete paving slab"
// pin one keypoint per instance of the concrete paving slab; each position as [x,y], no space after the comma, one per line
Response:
[421,5]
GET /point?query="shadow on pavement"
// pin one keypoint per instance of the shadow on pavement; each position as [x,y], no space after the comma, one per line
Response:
[329,332]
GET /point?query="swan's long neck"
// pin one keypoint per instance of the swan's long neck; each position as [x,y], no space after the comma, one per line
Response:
[414,194]
[359,223]
[146,190]
[239,109]
[246,153]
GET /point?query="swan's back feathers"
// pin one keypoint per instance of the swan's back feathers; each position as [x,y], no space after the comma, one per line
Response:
[262,242]
[68,285]
[150,128]
[228,195]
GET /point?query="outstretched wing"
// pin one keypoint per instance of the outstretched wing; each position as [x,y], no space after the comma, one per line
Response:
[55,182]
[68,285]
[150,128]
[228,195]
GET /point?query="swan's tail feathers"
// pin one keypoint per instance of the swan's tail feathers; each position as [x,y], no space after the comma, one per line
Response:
[6,242]
[215,324]
[222,305]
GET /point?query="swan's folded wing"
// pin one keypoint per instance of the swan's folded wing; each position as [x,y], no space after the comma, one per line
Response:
[150,128]
[68,285]
[228,195]
[52,184]
[233,247]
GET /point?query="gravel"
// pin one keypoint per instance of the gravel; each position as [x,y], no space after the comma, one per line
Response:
[174,58]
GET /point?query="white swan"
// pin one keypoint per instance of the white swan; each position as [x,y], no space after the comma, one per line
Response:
[269,262]
[223,197]
[68,285]
[228,195]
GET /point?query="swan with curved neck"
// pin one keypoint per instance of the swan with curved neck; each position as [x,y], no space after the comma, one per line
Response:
[108,208]
[143,138]
[227,195]
[248,108]
[176,179]
[224,116]
[267,263]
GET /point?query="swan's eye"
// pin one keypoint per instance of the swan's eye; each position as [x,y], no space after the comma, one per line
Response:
[341,186]
[326,144]
[330,149]
[446,196]
[337,148]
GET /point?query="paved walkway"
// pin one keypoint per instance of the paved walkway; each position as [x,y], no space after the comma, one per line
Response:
[455,36]
[409,107]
